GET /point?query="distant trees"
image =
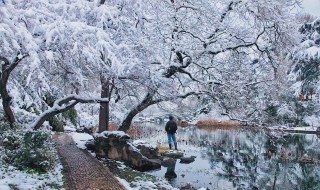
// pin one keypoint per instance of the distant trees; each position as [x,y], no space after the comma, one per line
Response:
[307,58]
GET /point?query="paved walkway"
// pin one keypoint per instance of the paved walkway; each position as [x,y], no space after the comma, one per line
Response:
[82,171]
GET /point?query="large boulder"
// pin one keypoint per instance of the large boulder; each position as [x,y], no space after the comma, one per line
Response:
[172,153]
[115,145]
[168,162]
[147,150]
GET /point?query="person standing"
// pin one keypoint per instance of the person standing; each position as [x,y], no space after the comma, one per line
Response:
[171,128]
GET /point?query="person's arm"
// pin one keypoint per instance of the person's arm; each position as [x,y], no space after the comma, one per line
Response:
[175,127]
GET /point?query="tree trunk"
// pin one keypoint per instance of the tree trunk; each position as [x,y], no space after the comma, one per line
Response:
[146,102]
[6,99]
[104,107]
[7,68]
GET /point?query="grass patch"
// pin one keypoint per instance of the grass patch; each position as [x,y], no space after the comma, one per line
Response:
[213,124]
[127,173]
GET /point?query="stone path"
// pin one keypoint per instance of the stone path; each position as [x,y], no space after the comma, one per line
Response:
[82,171]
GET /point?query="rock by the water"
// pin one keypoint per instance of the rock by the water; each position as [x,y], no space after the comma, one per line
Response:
[172,153]
[168,162]
[90,145]
[147,150]
[115,145]
[187,160]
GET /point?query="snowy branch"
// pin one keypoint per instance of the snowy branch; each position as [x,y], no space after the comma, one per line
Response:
[62,105]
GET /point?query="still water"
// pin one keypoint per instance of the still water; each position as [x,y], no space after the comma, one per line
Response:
[241,159]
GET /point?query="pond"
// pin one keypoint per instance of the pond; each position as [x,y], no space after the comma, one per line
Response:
[241,159]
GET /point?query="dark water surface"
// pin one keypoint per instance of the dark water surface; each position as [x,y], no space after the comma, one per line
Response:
[241,159]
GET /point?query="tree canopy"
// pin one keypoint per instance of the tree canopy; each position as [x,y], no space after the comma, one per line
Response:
[224,53]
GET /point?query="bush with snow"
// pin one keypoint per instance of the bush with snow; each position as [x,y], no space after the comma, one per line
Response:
[27,149]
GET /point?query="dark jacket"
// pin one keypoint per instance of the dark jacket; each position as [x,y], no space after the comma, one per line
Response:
[171,126]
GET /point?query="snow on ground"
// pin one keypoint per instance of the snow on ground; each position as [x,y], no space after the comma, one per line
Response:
[147,185]
[69,129]
[119,134]
[294,128]
[81,138]
[11,178]
[304,128]
[143,143]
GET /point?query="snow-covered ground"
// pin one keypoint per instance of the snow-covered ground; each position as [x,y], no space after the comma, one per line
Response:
[81,138]
[12,178]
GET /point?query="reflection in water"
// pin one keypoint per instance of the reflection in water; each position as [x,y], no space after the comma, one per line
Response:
[171,174]
[243,159]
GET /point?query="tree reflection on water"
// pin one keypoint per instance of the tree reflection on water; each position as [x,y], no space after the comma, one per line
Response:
[245,159]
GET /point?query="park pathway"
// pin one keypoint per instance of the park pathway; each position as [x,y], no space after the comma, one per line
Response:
[81,170]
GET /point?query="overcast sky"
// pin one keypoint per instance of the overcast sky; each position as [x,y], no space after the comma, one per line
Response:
[312,7]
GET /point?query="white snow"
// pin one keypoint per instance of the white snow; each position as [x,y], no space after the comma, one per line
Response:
[81,138]
[146,185]
[69,128]
[113,133]
[12,177]
[144,143]
[305,128]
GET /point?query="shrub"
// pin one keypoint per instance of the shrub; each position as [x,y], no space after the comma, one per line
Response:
[27,149]
[56,124]
[36,151]
[72,115]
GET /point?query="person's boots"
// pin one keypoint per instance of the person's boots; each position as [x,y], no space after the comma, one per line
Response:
[170,146]
[175,146]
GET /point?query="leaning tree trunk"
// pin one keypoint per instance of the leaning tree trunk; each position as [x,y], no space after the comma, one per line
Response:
[104,107]
[146,102]
[49,114]
[7,68]
[62,105]
[6,99]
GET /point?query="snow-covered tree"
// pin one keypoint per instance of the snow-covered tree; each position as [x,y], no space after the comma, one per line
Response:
[307,58]
[148,52]
[199,47]
[18,46]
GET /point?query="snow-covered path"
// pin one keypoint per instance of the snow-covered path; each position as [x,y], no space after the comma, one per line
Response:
[82,171]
